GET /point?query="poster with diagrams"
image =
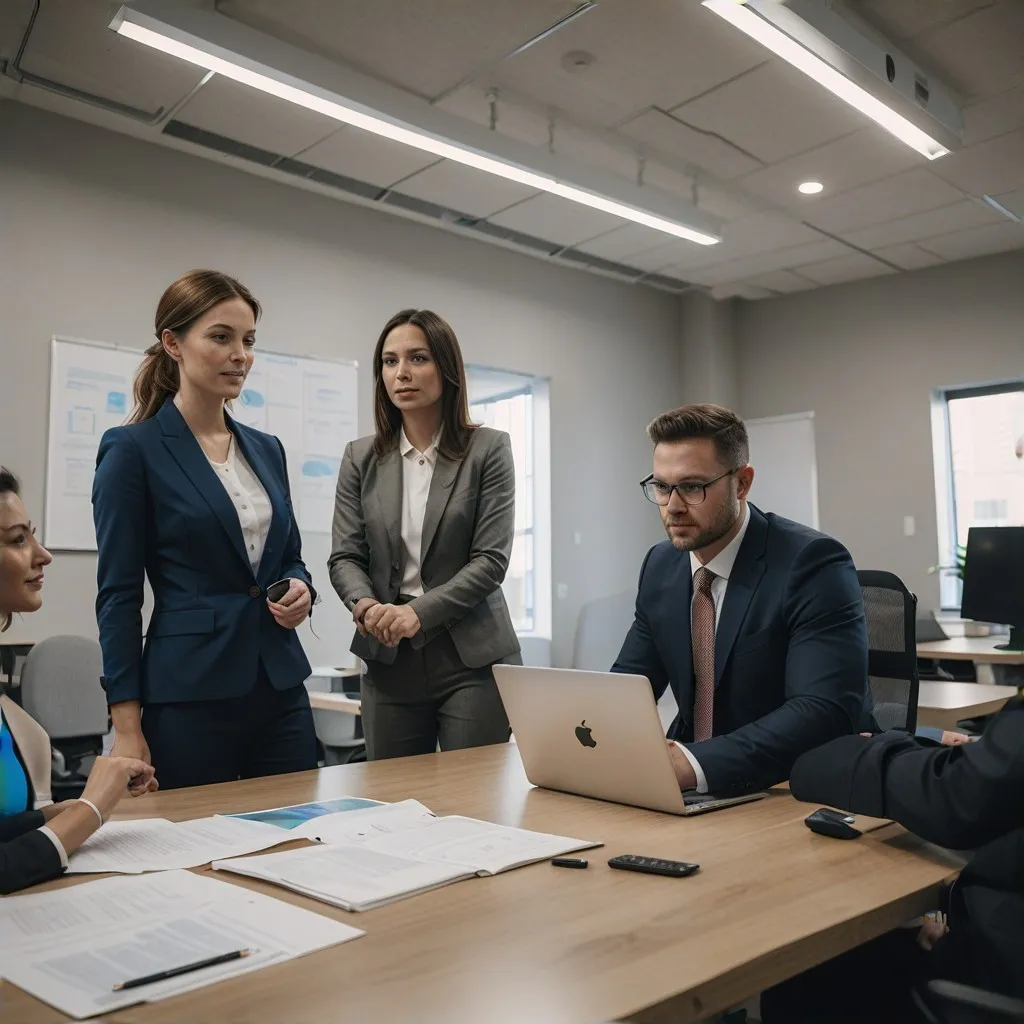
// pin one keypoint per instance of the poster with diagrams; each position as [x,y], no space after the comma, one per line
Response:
[310,404]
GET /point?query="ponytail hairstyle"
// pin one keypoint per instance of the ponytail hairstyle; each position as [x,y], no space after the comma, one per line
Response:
[190,297]
[8,485]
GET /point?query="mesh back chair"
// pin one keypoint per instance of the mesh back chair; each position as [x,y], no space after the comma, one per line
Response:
[947,1002]
[892,649]
[61,690]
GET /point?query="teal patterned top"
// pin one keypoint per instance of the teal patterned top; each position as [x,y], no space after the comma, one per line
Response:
[14,791]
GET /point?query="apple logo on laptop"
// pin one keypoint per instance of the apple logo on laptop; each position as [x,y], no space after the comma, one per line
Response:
[583,734]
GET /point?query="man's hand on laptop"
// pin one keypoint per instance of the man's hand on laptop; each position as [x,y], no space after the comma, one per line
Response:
[681,766]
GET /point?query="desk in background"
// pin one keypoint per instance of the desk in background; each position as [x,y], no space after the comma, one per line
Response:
[549,946]
[943,704]
[979,649]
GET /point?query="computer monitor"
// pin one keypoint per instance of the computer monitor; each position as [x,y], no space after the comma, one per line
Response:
[994,579]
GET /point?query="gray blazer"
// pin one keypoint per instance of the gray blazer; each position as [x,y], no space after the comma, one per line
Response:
[467,539]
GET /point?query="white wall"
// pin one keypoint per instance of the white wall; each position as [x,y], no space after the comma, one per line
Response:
[865,358]
[95,225]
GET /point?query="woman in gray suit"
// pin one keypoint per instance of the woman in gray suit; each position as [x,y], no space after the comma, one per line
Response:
[423,523]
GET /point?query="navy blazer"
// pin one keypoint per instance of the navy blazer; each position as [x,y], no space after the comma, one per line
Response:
[161,511]
[791,651]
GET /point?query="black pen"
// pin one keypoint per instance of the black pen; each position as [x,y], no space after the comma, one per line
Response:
[149,979]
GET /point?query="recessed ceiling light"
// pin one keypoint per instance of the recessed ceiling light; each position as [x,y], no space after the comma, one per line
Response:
[810,188]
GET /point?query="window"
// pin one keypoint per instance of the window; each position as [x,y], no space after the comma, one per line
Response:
[979,472]
[518,405]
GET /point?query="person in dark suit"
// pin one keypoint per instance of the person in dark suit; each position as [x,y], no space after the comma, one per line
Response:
[755,622]
[201,505]
[37,835]
[424,521]
[966,797]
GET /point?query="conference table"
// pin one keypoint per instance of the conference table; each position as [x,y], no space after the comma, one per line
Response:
[554,946]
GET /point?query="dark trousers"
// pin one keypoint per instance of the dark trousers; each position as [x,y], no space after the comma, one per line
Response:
[429,697]
[266,732]
[871,983]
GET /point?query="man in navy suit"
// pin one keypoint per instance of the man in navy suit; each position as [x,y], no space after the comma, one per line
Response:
[755,622]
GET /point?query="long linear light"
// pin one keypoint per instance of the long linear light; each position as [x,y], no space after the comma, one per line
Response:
[739,14]
[313,100]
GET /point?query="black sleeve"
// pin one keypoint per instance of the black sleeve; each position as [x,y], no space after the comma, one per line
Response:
[14,825]
[961,797]
[27,860]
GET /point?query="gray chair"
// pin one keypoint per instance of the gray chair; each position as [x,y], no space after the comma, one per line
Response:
[61,690]
[600,630]
[890,610]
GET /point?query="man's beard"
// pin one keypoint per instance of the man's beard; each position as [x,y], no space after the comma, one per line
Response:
[715,531]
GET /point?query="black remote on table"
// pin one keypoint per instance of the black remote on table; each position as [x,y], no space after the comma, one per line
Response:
[653,865]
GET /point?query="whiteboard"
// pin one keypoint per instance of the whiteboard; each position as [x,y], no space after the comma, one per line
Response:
[785,466]
[310,404]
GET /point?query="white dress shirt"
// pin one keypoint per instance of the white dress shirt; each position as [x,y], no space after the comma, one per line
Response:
[417,472]
[48,832]
[250,499]
[721,565]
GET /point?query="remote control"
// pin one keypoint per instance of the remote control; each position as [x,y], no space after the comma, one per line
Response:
[653,865]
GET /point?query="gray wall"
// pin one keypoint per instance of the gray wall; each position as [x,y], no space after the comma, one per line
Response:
[95,225]
[865,357]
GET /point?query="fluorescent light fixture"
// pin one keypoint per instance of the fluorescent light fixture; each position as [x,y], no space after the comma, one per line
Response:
[215,58]
[810,188]
[743,16]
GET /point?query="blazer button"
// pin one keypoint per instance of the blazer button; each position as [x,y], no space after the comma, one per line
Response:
[254,591]
[395,566]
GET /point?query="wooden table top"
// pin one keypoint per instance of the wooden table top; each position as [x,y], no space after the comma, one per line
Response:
[323,701]
[544,945]
[942,704]
[981,649]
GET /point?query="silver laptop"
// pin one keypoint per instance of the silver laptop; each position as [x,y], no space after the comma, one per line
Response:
[596,734]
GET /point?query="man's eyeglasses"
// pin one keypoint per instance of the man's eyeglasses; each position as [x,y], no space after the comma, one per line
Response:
[691,492]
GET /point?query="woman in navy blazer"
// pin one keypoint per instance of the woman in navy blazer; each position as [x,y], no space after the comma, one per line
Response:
[200,505]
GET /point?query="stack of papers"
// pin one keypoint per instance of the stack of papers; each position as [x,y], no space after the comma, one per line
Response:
[71,946]
[373,857]
[155,844]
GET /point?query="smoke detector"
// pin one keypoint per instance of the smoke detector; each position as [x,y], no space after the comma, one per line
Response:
[577,60]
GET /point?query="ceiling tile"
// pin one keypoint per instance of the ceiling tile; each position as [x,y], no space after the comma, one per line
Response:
[765,262]
[464,189]
[904,19]
[856,159]
[1012,201]
[422,45]
[996,165]
[367,157]
[898,196]
[663,133]
[763,231]
[239,112]
[556,219]
[623,242]
[781,281]
[72,44]
[909,257]
[740,290]
[773,112]
[995,116]
[956,217]
[847,268]
[977,241]
[647,53]
[982,54]
[671,254]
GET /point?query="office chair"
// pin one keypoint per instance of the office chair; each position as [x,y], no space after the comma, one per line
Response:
[892,649]
[947,1002]
[61,690]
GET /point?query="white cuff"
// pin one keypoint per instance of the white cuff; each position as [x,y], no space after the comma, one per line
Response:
[52,836]
[702,782]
